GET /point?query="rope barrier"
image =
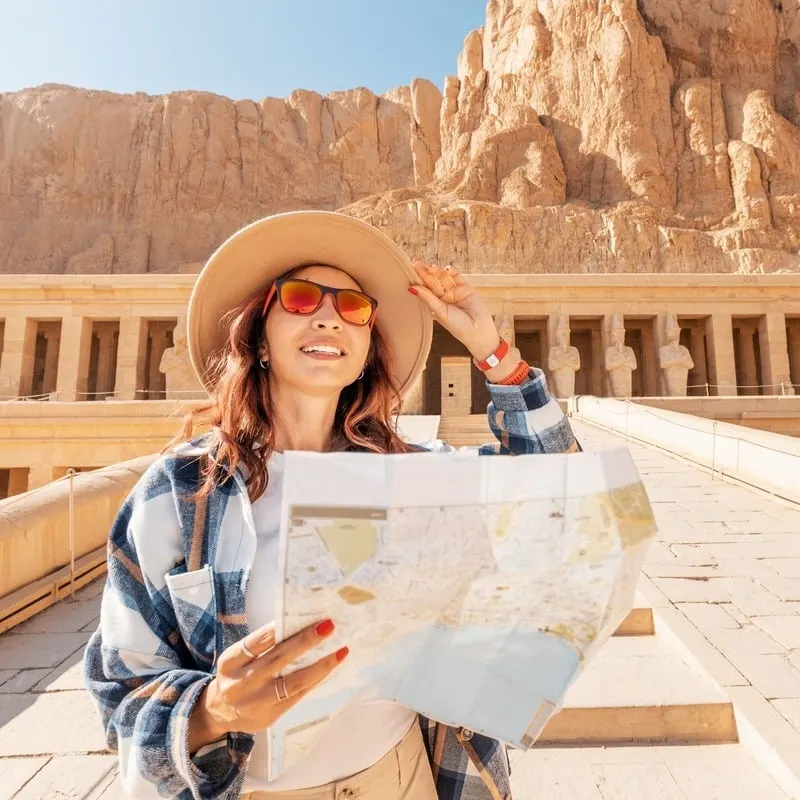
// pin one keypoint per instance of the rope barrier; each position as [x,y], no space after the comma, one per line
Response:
[53,396]
[10,398]
[197,392]
[784,388]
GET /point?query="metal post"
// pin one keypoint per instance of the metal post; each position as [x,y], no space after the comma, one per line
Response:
[71,472]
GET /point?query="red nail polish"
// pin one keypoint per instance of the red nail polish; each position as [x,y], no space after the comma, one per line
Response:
[413,290]
[325,628]
[341,653]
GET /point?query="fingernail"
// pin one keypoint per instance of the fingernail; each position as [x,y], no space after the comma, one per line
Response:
[413,290]
[325,628]
[341,653]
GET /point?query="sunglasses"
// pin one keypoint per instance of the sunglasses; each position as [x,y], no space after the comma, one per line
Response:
[298,296]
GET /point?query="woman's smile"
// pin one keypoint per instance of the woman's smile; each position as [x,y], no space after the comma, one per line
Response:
[323,350]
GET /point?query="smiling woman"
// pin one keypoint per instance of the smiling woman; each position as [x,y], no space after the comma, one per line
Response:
[306,329]
[338,336]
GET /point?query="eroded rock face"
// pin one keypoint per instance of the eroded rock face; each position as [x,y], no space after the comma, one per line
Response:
[98,182]
[576,136]
[615,136]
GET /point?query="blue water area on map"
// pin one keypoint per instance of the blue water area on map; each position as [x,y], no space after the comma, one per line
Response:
[490,679]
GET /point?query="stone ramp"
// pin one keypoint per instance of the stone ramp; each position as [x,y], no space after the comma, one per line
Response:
[638,690]
[723,579]
[715,772]
[700,684]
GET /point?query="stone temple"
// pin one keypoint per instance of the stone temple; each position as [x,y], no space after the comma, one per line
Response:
[621,181]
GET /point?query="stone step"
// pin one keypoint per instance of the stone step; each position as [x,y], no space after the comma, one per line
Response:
[464,431]
[639,622]
[639,690]
[714,772]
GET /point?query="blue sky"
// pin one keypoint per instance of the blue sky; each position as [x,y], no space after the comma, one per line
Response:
[238,48]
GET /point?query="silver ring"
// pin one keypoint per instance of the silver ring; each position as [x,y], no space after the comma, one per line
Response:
[247,650]
[280,688]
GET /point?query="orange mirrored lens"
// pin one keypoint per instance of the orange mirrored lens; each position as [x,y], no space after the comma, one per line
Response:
[354,307]
[298,297]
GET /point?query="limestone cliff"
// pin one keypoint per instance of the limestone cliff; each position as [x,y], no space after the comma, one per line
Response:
[96,182]
[577,136]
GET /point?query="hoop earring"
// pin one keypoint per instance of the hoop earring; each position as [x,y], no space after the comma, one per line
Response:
[360,376]
[264,364]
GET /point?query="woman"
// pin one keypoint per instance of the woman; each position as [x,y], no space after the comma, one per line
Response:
[184,666]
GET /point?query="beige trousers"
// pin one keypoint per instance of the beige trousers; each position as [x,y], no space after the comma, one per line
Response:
[404,773]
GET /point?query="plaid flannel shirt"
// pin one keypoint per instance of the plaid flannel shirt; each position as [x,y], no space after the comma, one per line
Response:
[175,598]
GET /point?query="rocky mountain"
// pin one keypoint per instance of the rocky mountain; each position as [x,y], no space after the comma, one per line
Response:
[577,136]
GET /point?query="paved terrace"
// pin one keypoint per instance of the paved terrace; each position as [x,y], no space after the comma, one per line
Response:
[723,578]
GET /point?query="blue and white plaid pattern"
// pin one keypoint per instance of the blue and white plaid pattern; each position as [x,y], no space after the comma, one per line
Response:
[175,598]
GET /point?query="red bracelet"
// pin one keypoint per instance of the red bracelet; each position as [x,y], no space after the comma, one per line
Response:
[493,359]
[518,376]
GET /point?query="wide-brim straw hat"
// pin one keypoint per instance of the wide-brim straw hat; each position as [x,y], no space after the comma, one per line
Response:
[253,257]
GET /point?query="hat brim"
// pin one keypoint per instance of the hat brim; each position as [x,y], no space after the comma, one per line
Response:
[250,260]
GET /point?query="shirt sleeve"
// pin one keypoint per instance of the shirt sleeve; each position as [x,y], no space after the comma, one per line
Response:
[526,419]
[135,663]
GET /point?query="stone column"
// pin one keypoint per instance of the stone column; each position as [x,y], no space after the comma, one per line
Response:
[40,476]
[16,365]
[50,362]
[793,341]
[775,354]
[600,363]
[73,358]
[456,386]
[651,372]
[130,358]
[551,329]
[747,352]
[698,350]
[17,480]
[719,333]
[660,341]
[106,367]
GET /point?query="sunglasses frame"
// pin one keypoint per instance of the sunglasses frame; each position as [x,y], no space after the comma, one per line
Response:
[325,290]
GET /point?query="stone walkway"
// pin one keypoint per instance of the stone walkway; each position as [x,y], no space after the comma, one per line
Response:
[725,576]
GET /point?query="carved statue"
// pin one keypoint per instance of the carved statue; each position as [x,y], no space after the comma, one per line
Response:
[563,361]
[177,368]
[675,359]
[620,360]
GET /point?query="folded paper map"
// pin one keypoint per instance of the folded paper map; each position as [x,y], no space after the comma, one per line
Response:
[470,589]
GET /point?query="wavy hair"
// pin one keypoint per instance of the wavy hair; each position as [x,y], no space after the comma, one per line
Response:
[241,411]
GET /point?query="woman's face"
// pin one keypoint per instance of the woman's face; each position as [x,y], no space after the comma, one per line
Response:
[290,340]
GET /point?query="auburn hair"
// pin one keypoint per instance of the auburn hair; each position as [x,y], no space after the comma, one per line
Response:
[240,411]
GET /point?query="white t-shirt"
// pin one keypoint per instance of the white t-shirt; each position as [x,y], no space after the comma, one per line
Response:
[356,738]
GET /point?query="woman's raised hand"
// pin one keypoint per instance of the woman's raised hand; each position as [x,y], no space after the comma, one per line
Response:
[248,694]
[457,307]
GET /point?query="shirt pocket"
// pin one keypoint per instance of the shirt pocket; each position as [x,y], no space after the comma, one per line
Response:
[195,606]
